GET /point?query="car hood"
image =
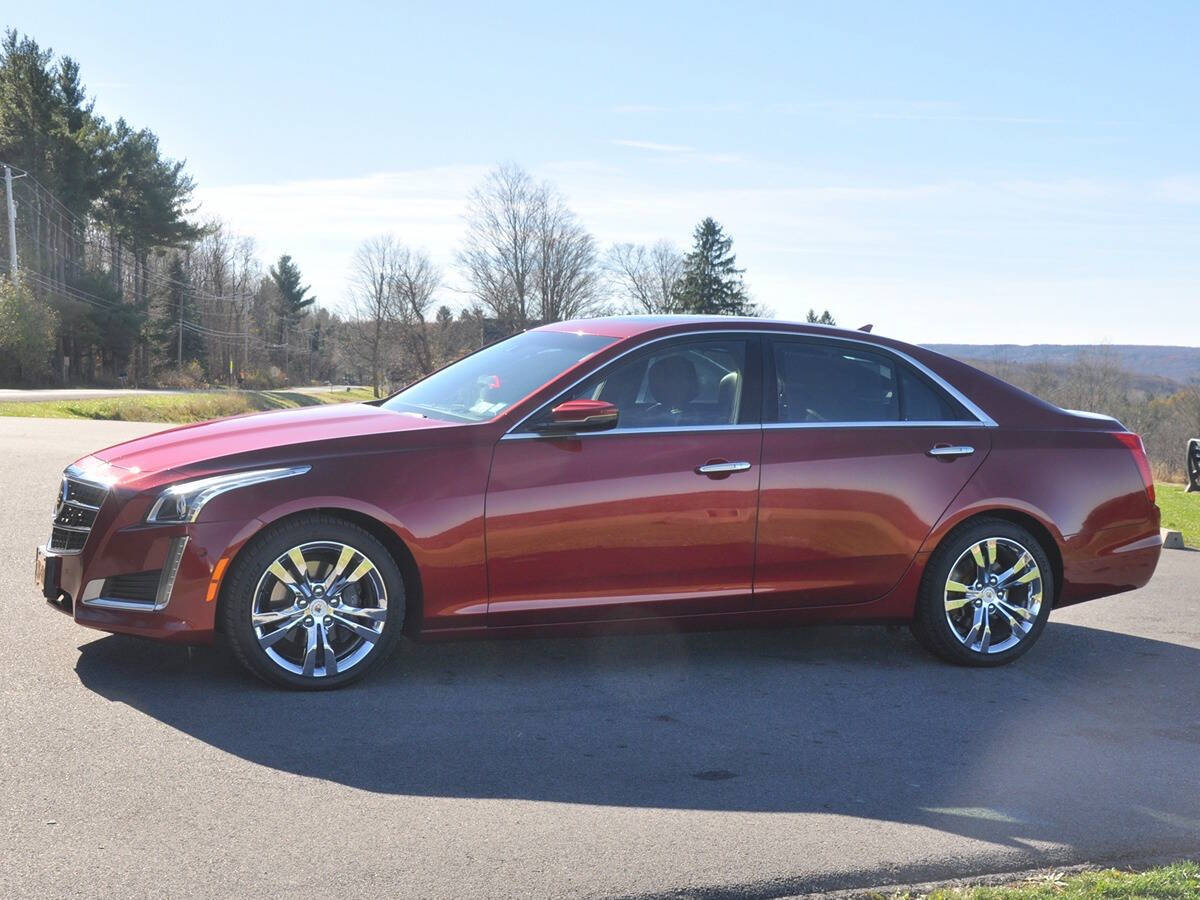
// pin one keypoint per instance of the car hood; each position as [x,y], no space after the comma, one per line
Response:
[193,444]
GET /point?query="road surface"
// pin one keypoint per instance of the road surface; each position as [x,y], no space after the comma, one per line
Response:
[752,764]
[21,395]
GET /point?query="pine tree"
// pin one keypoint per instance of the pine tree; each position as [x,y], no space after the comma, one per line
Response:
[294,300]
[174,301]
[825,318]
[712,282]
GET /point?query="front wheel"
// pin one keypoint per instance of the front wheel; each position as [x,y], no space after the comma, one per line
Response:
[986,594]
[313,603]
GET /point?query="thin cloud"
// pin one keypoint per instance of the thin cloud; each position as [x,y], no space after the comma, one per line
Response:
[639,109]
[653,147]
[910,256]
[881,110]
[706,108]
[681,151]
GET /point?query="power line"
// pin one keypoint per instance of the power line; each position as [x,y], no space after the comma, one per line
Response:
[64,245]
[127,259]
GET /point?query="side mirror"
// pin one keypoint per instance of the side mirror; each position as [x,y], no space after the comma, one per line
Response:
[582,415]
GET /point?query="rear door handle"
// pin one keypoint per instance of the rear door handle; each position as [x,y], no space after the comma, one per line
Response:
[945,450]
[722,468]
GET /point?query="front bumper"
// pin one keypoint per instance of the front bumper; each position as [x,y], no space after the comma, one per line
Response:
[182,608]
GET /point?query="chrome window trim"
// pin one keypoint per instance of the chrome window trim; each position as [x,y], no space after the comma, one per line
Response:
[657,429]
[958,423]
[982,419]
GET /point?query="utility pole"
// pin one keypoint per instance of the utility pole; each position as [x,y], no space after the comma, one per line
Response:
[179,364]
[246,340]
[12,222]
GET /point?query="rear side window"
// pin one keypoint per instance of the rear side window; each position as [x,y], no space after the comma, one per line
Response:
[923,401]
[820,381]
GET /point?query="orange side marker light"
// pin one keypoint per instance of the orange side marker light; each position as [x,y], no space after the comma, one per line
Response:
[215,584]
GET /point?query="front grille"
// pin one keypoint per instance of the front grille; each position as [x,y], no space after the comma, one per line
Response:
[85,492]
[140,587]
[63,541]
[79,502]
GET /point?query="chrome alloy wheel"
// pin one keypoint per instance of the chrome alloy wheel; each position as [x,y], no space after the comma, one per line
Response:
[319,609]
[993,595]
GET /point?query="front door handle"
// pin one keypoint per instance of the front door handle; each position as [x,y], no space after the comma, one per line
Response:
[947,450]
[722,468]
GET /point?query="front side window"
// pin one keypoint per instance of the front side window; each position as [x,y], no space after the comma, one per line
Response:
[683,384]
[829,382]
[485,384]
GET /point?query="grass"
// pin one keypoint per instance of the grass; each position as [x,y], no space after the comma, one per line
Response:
[1180,511]
[182,407]
[1179,880]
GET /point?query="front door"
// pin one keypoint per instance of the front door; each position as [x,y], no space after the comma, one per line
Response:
[862,453]
[655,517]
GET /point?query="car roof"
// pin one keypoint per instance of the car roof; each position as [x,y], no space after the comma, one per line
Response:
[623,327]
[1000,401]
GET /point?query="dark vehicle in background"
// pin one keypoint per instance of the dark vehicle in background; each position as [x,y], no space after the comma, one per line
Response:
[618,473]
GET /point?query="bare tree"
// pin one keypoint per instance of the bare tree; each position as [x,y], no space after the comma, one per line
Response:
[373,296]
[646,276]
[566,278]
[416,279]
[393,290]
[499,254]
[526,255]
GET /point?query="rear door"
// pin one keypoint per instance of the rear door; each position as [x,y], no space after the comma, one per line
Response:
[655,517]
[862,453]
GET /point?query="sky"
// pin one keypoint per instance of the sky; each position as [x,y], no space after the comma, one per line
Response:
[950,172]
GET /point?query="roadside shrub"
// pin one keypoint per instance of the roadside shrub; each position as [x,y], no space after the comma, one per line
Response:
[189,377]
[27,329]
[264,379]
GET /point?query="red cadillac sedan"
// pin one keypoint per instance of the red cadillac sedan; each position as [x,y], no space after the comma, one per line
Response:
[615,473]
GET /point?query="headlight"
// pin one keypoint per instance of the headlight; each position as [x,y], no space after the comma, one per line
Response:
[182,502]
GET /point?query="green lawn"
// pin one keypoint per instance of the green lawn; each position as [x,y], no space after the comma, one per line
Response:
[1180,511]
[182,407]
[1181,880]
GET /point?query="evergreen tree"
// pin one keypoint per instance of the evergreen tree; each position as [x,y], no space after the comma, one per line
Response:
[825,318]
[173,301]
[294,300]
[30,107]
[712,282]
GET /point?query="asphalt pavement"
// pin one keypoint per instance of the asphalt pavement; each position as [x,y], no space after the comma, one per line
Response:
[38,395]
[41,395]
[737,764]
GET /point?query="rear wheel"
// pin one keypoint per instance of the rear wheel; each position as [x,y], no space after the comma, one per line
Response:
[313,603]
[986,594]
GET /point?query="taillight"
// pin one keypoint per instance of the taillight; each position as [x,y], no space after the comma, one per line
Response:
[1134,444]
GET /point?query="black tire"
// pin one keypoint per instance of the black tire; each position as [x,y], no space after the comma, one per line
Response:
[249,572]
[931,625]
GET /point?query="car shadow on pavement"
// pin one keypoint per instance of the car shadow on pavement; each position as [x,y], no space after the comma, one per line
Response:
[1092,736]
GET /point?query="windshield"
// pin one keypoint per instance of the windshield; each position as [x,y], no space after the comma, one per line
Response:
[485,384]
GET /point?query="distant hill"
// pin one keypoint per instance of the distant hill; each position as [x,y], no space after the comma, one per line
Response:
[1160,369]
